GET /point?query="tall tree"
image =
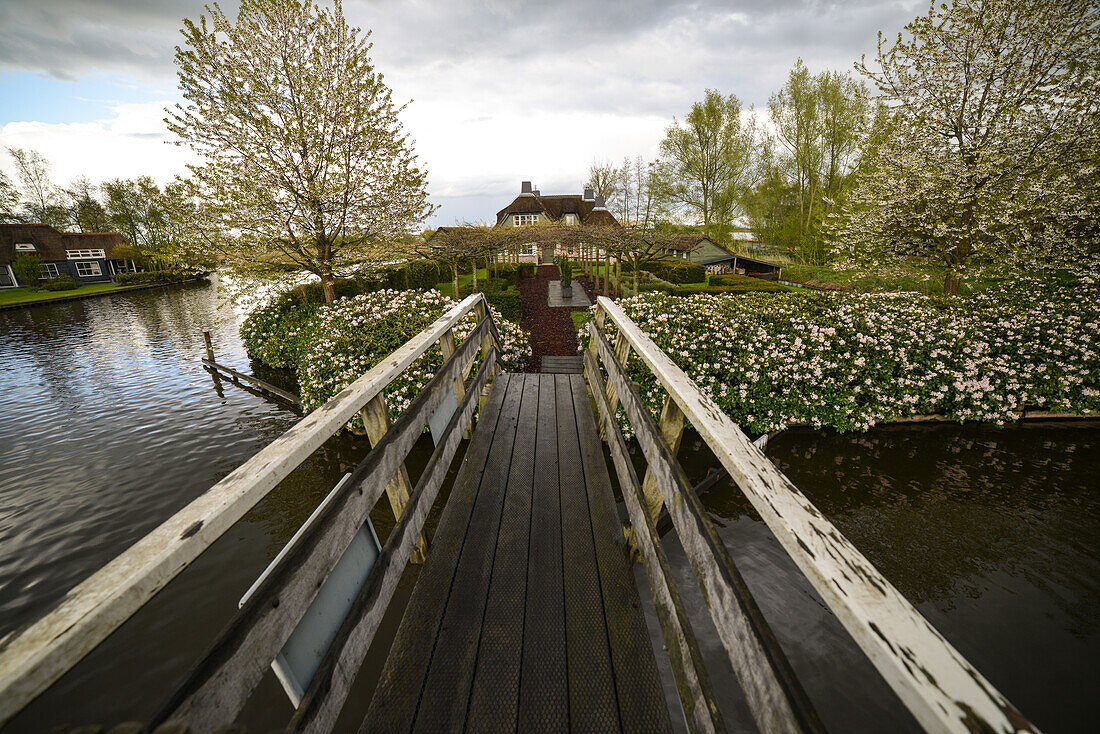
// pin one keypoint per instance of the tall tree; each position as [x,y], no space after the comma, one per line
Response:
[86,212]
[604,179]
[707,160]
[995,106]
[42,200]
[304,155]
[9,200]
[818,120]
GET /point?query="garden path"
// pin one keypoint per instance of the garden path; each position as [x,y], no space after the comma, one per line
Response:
[551,328]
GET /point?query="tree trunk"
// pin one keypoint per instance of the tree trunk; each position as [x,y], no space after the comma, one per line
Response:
[454,280]
[328,287]
[473,270]
[606,273]
[951,283]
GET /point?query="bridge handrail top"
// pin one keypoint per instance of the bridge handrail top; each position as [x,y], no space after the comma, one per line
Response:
[942,689]
[34,656]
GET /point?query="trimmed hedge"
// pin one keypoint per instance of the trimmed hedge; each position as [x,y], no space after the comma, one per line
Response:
[62,282]
[527,270]
[676,271]
[169,275]
[762,286]
[500,296]
[734,279]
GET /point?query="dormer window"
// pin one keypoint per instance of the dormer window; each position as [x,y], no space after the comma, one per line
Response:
[520,220]
[25,247]
[570,218]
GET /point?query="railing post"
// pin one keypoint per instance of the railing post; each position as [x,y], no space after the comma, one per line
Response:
[376,419]
[622,354]
[672,430]
[209,345]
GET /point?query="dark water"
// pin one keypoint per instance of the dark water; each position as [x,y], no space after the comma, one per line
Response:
[992,533]
[108,425]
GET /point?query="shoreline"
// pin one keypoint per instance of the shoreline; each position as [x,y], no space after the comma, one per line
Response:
[81,296]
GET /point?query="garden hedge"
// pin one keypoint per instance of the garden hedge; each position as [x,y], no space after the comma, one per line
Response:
[676,271]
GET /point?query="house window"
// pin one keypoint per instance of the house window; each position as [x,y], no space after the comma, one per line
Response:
[88,270]
[80,254]
[24,247]
[570,218]
[521,219]
[51,271]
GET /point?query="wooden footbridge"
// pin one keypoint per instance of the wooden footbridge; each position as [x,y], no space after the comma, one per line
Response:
[525,616]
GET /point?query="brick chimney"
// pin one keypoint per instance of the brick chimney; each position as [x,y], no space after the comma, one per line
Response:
[525,189]
[589,194]
[600,204]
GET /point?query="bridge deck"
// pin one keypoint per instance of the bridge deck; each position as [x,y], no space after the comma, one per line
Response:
[525,616]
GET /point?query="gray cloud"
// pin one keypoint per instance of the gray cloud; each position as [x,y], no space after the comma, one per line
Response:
[469,65]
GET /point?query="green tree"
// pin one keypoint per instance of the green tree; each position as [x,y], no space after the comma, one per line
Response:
[304,158]
[706,161]
[28,268]
[42,200]
[9,200]
[818,121]
[86,212]
[995,109]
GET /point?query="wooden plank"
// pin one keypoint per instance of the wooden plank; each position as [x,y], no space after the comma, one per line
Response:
[640,699]
[593,704]
[771,688]
[325,697]
[445,699]
[217,687]
[397,695]
[941,688]
[494,698]
[543,693]
[265,386]
[33,657]
[692,679]
[376,421]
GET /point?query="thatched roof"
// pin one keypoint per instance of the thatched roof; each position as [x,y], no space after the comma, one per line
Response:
[50,244]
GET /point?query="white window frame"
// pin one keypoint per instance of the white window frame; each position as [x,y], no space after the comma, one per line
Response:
[84,254]
[11,276]
[25,247]
[51,271]
[88,264]
[520,220]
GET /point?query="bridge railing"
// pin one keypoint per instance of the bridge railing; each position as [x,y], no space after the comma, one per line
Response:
[215,690]
[938,685]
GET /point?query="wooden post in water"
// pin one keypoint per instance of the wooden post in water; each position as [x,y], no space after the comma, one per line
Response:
[209,346]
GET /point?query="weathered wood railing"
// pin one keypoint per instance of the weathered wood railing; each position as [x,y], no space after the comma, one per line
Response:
[214,691]
[943,691]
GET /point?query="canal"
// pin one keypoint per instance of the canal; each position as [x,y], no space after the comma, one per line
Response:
[108,425]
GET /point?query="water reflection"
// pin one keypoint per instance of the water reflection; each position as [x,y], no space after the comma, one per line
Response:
[108,425]
[992,533]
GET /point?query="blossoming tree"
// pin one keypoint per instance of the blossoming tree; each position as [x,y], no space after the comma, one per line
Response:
[304,161]
[994,124]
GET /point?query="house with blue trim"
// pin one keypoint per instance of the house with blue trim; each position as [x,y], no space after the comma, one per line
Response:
[89,257]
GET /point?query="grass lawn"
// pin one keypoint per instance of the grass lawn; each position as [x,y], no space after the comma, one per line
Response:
[22,295]
[580,319]
[447,289]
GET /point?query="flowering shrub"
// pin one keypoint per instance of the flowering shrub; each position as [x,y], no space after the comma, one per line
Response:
[850,360]
[334,345]
[273,333]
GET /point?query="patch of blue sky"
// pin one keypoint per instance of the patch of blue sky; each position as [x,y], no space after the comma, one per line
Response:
[29,97]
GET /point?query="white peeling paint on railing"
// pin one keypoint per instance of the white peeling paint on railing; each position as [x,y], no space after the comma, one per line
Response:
[942,689]
[32,658]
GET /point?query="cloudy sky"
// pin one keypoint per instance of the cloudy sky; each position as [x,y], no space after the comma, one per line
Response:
[501,90]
